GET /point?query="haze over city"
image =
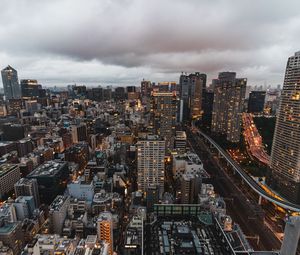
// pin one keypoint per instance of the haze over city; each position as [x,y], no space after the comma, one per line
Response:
[134,127]
[120,42]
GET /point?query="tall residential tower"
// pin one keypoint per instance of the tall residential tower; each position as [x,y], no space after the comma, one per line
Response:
[229,95]
[191,88]
[285,157]
[163,115]
[151,164]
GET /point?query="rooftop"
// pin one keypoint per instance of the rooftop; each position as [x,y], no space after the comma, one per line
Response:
[7,227]
[5,168]
[23,199]
[190,158]
[24,181]
[9,68]
[5,143]
[103,197]
[105,216]
[181,135]
[58,203]
[50,168]
[152,138]
[77,148]
[91,239]
[183,236]
[5,209]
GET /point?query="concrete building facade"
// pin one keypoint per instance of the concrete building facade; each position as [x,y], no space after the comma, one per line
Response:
[229,95]
[150,163]
[285,156]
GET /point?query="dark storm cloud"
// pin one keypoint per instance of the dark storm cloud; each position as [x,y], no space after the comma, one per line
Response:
[123,40]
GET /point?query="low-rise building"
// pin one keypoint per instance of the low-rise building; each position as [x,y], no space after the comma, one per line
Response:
[188,163]
[105,201]
[11,235]
[5,250]
[81,189]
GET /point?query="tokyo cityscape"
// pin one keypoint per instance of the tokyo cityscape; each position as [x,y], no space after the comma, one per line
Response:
[135,127]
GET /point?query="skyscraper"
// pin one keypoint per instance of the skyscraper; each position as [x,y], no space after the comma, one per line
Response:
[105,229]
[146,87]
[256,101]
[150,163]
[10,83]
[163,115]
[31,89]
[285,157]
[120,93]
[207,109]
[229,95]
[191,87]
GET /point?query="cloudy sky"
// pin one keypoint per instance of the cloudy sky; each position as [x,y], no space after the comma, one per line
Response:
[119,42]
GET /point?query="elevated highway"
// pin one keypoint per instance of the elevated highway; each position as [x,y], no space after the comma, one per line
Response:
[248,179]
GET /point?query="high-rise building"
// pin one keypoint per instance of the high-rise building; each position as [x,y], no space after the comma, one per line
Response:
[79,133]
[256,101]
[28,187]
[152,197]
[31,89]
[285,157]
[291,236]
[146,88]
[52,178]
[163,115]
[207,108]
[150,163]
[229,95]
[79,91]
[132,93]
[131,89]
[191,88]
[10,83]
[9,175]
[97,94]
[57,214]
[180,141]
[190,188]
[120,93]
[105,229]
[107,93]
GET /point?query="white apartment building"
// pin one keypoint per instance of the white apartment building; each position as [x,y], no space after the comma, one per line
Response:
[150,163]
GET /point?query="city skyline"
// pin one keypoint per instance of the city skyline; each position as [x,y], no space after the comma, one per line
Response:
[127,41]
[135,127]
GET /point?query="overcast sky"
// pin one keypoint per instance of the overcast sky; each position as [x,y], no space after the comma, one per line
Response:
[119,42]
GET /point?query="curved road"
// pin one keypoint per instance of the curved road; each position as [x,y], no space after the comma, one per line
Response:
[253,184]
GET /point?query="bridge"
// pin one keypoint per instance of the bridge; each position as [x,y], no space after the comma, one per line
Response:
[248,179]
